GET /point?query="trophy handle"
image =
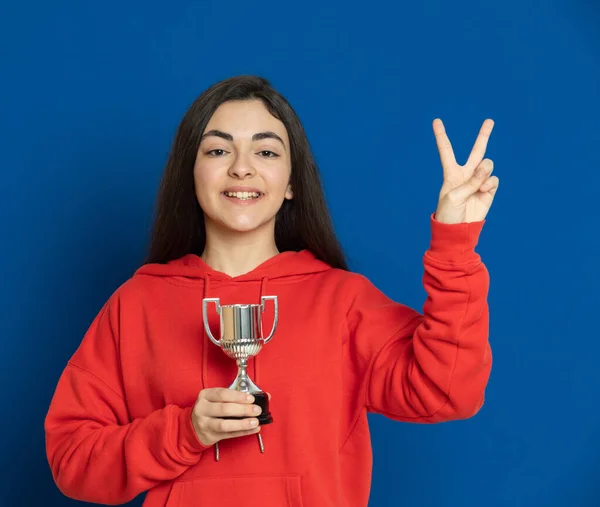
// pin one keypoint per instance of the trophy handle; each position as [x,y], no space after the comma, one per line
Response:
[262,303]
[205,302]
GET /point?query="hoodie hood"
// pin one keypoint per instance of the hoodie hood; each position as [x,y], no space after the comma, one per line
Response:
[284,265]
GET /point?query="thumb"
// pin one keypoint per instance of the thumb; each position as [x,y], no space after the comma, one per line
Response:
[462,193]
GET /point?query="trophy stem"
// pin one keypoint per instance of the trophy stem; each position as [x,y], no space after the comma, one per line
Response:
[242,382]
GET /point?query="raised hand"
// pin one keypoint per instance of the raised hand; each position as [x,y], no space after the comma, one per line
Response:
[468,190]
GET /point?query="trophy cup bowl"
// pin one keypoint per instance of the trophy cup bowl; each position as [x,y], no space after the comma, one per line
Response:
[241,338]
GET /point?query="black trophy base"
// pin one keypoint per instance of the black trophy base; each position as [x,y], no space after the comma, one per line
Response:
[262,400]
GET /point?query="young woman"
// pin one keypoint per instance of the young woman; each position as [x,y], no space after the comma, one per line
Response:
[142,405]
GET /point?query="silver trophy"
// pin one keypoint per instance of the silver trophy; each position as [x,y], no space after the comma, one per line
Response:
[241,337]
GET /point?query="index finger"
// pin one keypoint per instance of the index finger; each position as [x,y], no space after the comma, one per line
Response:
[443,143]
[225,395]
[478,151]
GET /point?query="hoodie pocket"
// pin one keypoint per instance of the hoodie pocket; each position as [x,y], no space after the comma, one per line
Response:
[249,491]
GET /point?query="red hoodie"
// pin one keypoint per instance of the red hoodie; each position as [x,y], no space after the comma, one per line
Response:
[119,423]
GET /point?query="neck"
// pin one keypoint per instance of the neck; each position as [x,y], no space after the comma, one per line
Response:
[236,253]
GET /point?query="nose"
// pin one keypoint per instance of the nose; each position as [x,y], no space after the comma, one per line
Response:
[241,168]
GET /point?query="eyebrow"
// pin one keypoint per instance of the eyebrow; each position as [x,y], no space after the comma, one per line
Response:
[256,137]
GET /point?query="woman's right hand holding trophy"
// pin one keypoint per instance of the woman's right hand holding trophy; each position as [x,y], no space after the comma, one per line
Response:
[214,405]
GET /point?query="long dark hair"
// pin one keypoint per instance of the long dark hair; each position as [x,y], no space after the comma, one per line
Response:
[301,223]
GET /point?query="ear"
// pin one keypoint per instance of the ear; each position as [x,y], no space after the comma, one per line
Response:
[289,194]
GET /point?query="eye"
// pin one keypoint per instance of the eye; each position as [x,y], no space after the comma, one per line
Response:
[216,153]
[268,154]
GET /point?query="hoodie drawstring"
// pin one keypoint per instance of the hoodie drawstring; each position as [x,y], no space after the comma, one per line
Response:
[205,343]
[263,289]
[205,346]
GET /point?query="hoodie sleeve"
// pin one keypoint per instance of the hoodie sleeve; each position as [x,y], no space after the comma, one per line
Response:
[95,451]
[434,366]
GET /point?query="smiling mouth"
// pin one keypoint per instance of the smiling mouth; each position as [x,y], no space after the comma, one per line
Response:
[243,196]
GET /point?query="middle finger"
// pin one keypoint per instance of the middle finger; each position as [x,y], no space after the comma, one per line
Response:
[480,146]
[232,410]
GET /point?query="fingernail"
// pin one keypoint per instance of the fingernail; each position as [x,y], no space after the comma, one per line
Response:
[253,422]
[256,409]
[250,398]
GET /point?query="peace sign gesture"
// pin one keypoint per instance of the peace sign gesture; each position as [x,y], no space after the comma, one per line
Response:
[468,190]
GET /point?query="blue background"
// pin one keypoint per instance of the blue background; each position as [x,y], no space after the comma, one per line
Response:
[91,94]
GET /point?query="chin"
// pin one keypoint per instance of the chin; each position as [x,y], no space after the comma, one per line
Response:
[244,226]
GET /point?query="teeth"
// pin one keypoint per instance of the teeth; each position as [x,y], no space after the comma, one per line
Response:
[243,195]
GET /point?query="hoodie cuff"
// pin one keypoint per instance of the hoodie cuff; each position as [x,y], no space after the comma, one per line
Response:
[188,444]
[454,243]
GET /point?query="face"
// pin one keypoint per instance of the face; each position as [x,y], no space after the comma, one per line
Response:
[243,167]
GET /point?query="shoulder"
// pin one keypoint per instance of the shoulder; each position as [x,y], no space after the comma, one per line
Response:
[141,290]
[350,285]
[350,279]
